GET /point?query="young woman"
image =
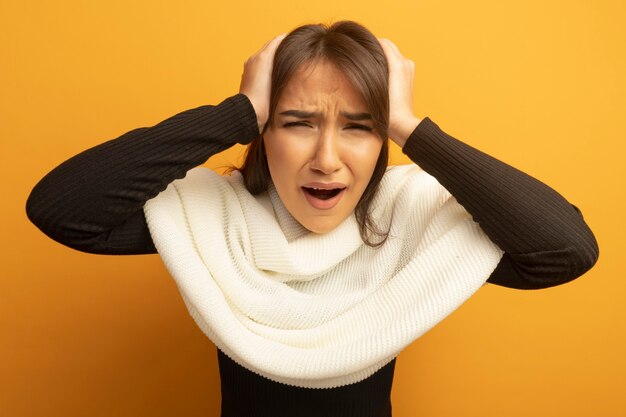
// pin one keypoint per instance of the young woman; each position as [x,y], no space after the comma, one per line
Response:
[313,265]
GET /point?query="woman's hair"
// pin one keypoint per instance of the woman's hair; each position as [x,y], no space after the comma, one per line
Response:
[356,52]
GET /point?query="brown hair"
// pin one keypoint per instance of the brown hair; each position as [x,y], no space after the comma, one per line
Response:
[357,53]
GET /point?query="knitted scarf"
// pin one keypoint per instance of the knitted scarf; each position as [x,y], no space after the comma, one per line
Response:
[317,310]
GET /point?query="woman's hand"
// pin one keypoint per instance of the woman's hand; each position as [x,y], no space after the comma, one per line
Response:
[256,80]
[402,121]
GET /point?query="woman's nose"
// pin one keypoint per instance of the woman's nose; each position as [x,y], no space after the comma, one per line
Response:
[326,158]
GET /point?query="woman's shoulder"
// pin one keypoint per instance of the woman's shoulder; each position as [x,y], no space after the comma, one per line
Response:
[409,177]
[202,176]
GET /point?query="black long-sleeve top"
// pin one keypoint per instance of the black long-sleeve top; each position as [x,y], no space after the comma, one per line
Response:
[93,202]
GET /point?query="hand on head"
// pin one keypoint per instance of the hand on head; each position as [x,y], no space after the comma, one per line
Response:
[402,121]
[256,80]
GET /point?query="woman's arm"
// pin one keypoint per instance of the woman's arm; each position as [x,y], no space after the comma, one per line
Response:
[545,239]
[93,202]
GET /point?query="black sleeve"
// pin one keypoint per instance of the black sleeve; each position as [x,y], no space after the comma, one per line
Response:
[94,201]
[545,238]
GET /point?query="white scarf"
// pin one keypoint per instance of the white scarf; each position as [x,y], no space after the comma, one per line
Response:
[317,310]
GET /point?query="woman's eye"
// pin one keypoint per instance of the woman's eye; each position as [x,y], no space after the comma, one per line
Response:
[360,127]
[296,124]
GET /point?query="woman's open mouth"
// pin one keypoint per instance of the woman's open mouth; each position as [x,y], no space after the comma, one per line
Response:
[323,198]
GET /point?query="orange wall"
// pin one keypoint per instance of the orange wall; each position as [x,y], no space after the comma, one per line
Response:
[539,84]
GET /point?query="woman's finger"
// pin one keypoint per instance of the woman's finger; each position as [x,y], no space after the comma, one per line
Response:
[401,72]
[256,78]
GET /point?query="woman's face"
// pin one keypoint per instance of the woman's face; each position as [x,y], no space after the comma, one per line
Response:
[321,147]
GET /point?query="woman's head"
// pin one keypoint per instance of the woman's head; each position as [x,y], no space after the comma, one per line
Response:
[324,145]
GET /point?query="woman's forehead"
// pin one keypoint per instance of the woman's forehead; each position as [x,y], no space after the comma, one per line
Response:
[320,83]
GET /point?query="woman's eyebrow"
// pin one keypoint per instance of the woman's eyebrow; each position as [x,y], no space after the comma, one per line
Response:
[300,114]
[307,114]
[356,116]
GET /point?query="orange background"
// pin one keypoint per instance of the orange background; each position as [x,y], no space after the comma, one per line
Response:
[539,84]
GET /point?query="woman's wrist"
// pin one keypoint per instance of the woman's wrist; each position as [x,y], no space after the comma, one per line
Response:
[401,130]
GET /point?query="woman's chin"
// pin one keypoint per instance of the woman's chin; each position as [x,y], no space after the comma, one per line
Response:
[321,226]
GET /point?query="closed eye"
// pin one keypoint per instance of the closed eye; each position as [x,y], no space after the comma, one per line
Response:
[359,127]
[305,124]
